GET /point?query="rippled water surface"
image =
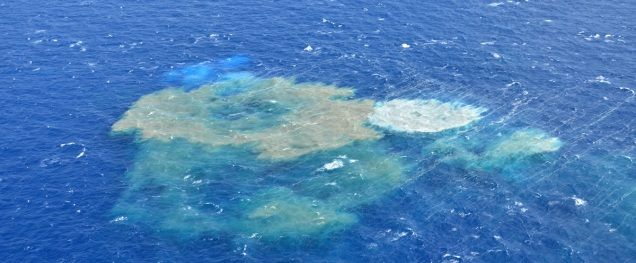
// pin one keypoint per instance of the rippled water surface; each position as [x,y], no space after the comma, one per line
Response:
[330,131]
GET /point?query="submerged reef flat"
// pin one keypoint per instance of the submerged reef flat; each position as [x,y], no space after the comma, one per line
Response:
[272,158]
[516,147]
[280,118]
[423,115]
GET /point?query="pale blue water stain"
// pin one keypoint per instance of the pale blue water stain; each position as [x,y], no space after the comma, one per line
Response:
[193,76]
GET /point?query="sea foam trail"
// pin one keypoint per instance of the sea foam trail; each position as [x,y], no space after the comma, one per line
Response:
[423,115]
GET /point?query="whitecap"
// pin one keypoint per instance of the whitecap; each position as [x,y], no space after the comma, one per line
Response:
[578,201]
[78,43]
[423,115]
[82,152]
[335,164]
[627,89]
[512,84]
[601,79]
[119,219]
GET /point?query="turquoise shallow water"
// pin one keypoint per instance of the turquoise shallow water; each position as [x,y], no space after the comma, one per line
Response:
[498,189]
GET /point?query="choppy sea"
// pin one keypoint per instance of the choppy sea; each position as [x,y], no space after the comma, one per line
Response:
[70,70]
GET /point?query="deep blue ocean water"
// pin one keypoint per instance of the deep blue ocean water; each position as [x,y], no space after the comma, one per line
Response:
[69,70]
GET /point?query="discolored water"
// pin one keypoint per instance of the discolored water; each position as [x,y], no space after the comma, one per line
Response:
[460,131]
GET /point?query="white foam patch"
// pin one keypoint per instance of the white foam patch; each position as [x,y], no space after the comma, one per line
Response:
[119,219]
[600,79]
[423,115]
[578,201]
[81,154]
[335,164]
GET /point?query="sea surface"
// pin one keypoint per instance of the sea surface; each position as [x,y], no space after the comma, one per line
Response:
[529,155]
